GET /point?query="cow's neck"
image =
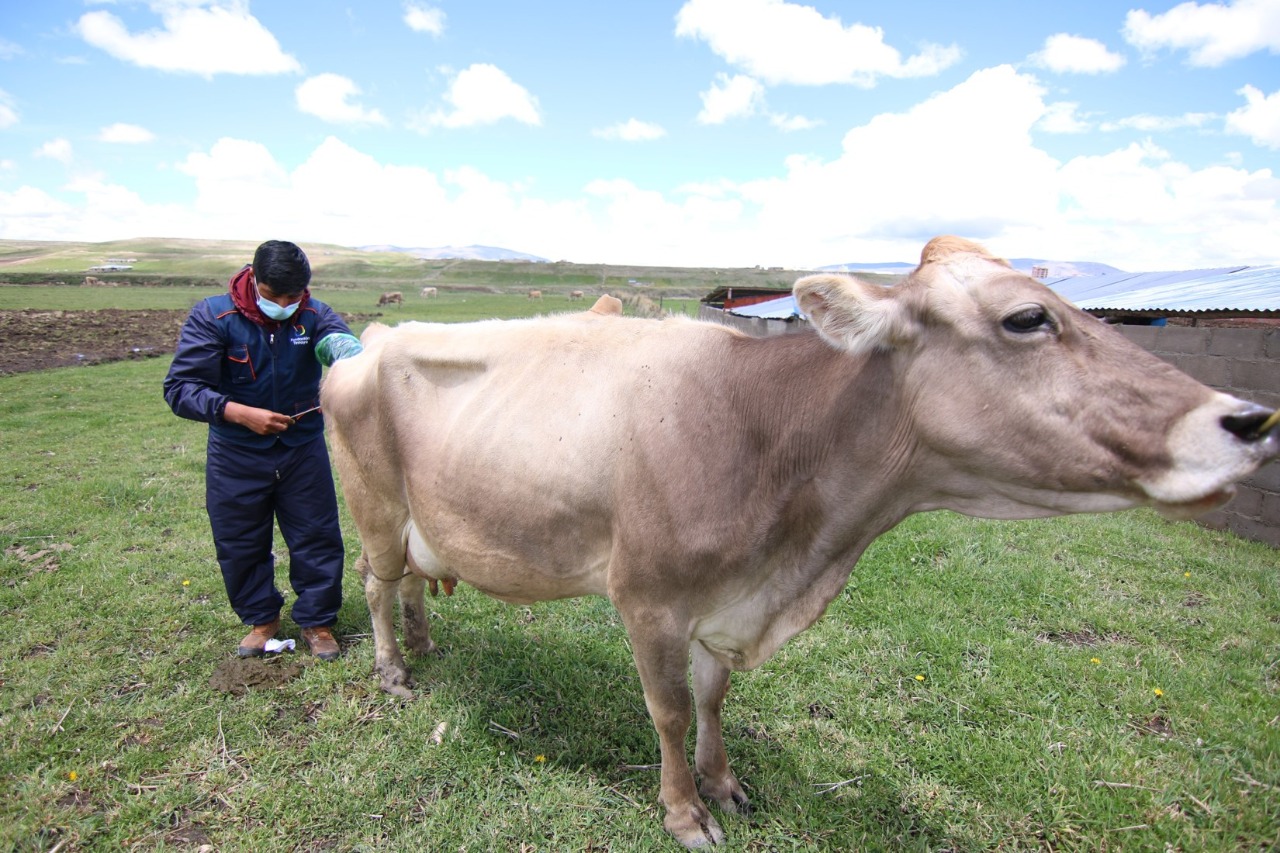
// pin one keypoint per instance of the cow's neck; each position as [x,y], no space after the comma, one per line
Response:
[832,420]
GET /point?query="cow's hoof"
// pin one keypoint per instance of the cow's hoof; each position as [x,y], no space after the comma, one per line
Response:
[693,827]
[396,689]
[728,794]
[396,681]
[423,649]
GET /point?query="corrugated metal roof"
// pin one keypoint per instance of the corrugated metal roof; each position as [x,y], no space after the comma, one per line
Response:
[1237,289]
[775,309]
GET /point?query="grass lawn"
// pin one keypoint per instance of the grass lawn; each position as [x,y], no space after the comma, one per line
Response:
[1086,683]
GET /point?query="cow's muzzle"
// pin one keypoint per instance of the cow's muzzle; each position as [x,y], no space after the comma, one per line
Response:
[1252,425]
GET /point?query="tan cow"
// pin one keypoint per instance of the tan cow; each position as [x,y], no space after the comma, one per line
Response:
[394,297]
[430,293]
[719,488]
[535,294]
[575,295]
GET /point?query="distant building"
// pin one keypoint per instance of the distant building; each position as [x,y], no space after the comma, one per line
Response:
[1039,272]
[110,268]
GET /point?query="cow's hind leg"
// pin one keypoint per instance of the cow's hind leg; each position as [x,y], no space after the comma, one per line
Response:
[381,586]
[710,685]
[413,610]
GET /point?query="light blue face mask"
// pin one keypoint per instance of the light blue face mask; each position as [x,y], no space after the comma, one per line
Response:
[274,311]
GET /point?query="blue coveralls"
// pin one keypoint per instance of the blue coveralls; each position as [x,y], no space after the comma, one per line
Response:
[252,481]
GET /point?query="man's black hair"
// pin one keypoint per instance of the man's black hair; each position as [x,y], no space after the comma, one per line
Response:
[282,267]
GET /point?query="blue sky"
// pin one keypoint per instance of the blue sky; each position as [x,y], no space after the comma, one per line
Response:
[1144,134]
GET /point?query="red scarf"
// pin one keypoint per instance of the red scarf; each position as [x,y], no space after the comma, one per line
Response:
[244,295]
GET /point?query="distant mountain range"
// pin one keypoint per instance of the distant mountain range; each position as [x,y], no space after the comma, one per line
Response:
[459,253]
[1057,269]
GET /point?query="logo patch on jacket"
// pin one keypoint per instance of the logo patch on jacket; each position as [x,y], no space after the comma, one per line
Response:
[300,336]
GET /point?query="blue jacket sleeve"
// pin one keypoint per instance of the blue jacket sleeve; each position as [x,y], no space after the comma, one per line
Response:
[334,339]
[191,387]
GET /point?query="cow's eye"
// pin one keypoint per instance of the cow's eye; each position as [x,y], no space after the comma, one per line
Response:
[1028,320]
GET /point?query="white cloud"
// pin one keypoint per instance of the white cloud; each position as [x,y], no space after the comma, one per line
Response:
[232,171]
[126,134]
[1068,54]
[1259,118]
[1157,124]
[1062,117]
[484,94]
[32,214]
[424,19]
[632,130]
[790,124]
[738,96]
[963,161]
[204,37]
[8,115]
[56,149]
[9,49]
[781,42]
[1213,33]
[331,97]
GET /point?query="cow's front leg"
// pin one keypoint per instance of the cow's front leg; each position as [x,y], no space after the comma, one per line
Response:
[662,659]
[413,610]
[710,685]
[388,662]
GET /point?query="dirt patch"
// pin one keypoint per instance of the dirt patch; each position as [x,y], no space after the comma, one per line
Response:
[239,675]
[38,340]
[1079,638]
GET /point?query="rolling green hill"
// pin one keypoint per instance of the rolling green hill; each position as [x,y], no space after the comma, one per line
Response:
[211,262]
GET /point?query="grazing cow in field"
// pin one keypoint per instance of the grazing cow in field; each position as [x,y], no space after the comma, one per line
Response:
[719,488]
[535,294]
[575,295]
[430,293]
[394,297]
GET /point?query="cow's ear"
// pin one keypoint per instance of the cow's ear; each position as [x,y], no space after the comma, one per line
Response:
[853,315]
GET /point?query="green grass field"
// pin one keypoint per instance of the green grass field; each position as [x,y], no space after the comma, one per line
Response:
[1086,683]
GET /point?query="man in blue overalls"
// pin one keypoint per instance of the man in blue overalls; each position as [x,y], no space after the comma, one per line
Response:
[248,363]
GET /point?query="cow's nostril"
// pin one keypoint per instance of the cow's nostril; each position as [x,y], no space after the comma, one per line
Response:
[1251,425]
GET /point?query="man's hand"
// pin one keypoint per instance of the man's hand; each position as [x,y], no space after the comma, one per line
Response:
[261,421]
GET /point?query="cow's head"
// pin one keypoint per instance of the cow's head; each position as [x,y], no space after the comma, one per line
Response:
[1022,405]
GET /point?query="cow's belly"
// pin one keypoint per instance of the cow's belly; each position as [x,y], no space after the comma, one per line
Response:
[515,566]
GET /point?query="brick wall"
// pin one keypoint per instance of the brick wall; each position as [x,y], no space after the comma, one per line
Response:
[1243,362]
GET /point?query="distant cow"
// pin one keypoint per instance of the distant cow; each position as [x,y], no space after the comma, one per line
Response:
[430,293]
[718,488]
[535,294]
[575,295]
[394,297]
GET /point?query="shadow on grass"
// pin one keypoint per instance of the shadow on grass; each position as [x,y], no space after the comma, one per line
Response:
[560,687]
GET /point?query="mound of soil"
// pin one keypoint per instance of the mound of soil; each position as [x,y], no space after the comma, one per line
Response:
[36,340]
[237,675]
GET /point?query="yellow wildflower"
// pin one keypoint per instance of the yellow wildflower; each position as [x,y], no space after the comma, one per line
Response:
[1158,692]
[72,776]
[919,678]
[1095,660]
